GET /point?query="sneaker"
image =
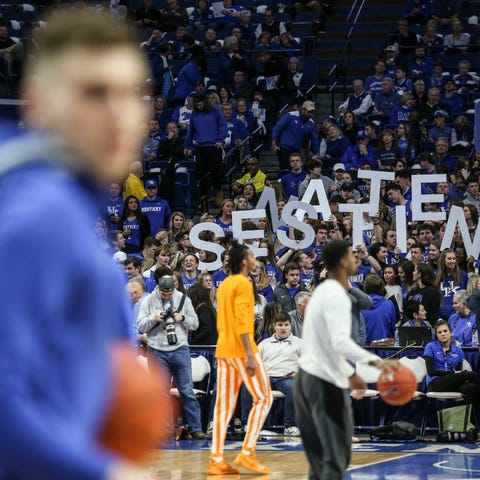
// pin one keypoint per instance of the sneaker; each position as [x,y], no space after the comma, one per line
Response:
[198,435]
[355,440]
[210,428]
[291,432]
[221,468]
[267,433]
[250,462]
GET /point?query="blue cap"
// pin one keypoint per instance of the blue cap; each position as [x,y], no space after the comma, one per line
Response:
[151,183]
[440,113]
[362,134]
[328,118]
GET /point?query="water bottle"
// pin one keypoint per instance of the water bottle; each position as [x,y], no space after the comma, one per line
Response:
[475,338]
[397,340]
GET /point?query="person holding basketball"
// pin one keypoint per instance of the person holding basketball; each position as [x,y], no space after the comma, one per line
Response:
[83,110]
[321,396]
[238,360]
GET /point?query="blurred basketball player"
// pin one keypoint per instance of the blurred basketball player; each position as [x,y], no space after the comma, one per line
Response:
[62,300]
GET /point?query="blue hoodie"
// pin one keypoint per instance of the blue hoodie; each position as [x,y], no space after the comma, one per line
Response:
[187,80]
[206,128]
[68,309]
[380,319]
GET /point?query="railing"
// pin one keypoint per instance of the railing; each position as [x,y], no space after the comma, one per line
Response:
[338,71]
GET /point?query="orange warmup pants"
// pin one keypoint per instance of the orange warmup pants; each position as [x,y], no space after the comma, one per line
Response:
[231,372]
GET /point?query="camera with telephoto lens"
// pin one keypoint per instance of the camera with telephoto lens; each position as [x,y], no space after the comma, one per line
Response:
[167,315]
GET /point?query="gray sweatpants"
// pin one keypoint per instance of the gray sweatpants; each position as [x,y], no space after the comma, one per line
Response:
[323,414]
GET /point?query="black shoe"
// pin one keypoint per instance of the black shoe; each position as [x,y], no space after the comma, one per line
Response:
[198,435]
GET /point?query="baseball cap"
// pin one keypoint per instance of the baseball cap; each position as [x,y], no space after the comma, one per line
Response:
[166,284]
[338,166]
[362,134]
[440,113]
[120,257]
[391,48]
[308,105]
[346,186]
[151,183]
[328,118]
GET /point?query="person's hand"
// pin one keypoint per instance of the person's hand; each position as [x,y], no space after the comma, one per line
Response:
[159,317]
[357,386]
[387,366]
[275,147]
[219,145]
[127,232]
[126,471]
[187,152]
[251,365]
[397,251]
[323,274]
[178,317]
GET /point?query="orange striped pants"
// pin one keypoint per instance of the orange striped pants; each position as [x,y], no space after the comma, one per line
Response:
[231,372]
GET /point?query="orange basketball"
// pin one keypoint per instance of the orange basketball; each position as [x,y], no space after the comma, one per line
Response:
[139,409]
[398,386]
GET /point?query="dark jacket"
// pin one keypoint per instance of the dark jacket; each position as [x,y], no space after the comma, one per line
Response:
[282,296]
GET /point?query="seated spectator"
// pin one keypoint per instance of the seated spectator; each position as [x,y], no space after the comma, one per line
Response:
[146,16]
[371,129]
[210,43]
[440,130]
[236,130]
[172,147]
[297,315]
[161,112]
[202,17]
[463,321]
[444,12]
[289,44]
[242,114]
[333,147]
[380,318]
[420,65]
[231,60]
[458,40]
[350,126]
[240,87]
[359,154]
[465,82]
[441,156]
[360,102]
[403,131]
[391,58]
[419,93]
[271,25]
[230,14]
[224,216]
[432,105]
[310,5]
[432,40]
[172,17]
[462,134]
[405,37]
[401,113]
[246,27]
[373,83]
[415,315]
[438,79]
[387,151]
[417,12]
[444,362]
[451,97]
[402,83]
[254,175]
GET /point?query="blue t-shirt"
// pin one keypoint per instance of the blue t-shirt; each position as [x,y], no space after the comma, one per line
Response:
[115,208]
[158,213]
[218,277]
[187,282]
[447,288]
[134,227]
[226,227]
[444,361]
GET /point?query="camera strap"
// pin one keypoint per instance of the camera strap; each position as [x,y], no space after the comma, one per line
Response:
[180,305]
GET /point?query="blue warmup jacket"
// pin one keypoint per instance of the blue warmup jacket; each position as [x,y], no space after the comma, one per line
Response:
[462,328]
[443,361]
[291,131]
[63,304]
[380,319]
[206,129]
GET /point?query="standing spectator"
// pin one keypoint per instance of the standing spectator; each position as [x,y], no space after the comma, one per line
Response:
[155,208]
[171,148]
[189,263]
[284,294]
[173,17]
[380,318]
[206,333]
[208,130]
[444,12]
[314,169]
[135,225]
[417,11]
[402,83]
[293,131]
[147,16]
[224,217]
[373,83]
[150,149]
[188,78]
[166,303]
[231,60]
[133,185]
[425,291]
[292,179]
[114,206]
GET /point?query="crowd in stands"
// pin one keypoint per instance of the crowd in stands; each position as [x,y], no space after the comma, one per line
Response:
[410,116]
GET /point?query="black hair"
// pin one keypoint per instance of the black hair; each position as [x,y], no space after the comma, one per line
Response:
[135,261]
[411,307]
[333,253]
[238,253]
[161,272]
[393,186]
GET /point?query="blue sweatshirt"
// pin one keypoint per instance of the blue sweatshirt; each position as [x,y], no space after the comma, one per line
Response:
[157,211]
[206,129]
[187,80]
[380,319]
[67,311]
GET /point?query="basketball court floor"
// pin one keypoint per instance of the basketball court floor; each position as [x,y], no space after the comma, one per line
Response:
[187,460]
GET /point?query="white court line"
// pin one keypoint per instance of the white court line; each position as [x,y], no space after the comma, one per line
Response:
[377,462]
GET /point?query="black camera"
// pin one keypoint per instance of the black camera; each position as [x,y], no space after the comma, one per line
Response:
[167,315]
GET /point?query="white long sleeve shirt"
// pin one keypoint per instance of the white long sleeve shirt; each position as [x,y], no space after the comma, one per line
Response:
[328,350]
[280,356]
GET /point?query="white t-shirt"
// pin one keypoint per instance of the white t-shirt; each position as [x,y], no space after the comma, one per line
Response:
[328,350]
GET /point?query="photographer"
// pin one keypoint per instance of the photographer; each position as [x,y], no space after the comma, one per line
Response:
[165,317]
